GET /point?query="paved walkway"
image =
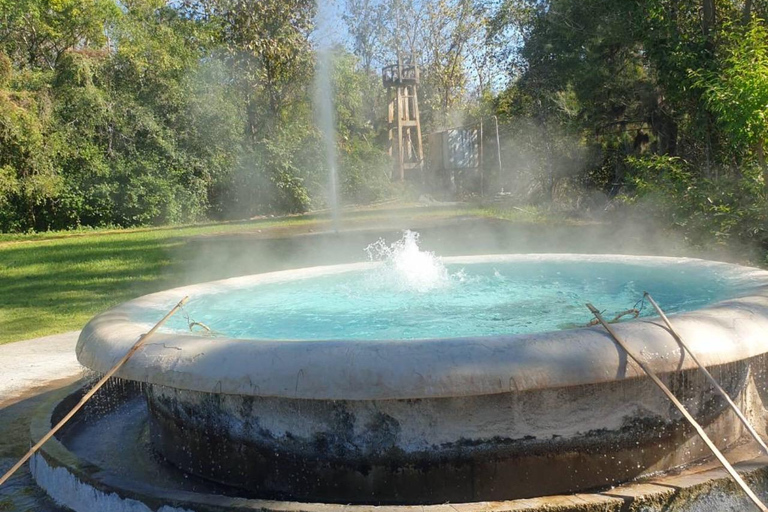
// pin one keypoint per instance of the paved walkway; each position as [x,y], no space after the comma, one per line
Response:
[30,364]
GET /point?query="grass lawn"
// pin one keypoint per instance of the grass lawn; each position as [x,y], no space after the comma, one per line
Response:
[55,282]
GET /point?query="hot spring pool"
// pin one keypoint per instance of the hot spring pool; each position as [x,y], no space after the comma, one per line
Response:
[456,300]
[419,380]
[407,294]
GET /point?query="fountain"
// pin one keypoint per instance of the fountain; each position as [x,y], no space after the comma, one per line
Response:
[410,380]
[324,102]
[414,380]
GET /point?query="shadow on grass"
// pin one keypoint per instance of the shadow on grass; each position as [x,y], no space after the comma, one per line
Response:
[57,285]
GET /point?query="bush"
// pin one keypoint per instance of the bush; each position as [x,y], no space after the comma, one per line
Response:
[364,173]
[727,210]
[6,70]
[266,179]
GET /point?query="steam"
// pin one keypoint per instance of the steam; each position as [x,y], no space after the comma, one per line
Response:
[324,106]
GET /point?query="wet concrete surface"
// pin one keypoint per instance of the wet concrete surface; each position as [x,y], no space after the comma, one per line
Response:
[20,493]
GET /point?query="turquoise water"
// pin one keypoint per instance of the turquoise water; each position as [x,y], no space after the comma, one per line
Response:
[430,300]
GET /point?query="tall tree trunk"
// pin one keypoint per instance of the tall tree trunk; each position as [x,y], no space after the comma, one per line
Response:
[252,121]
[747,13]
[708,20]
[708,148]
[759,150]
[665,129]
[707,25]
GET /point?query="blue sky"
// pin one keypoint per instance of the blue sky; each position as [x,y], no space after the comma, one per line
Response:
[331,27]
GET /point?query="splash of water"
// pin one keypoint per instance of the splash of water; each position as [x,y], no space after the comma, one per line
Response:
[406,267]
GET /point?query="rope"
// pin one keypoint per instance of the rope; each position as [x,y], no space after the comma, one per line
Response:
[192,324]
[634,311]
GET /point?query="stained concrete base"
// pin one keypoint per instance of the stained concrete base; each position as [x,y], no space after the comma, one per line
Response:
[79,483]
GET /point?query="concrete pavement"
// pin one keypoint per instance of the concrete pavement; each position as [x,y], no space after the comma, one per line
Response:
[31,364]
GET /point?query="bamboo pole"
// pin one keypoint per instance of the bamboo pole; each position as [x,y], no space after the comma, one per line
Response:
[680,407]
[708,375]
[93,390]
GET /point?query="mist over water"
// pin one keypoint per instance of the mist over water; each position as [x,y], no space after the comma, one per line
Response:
[413,294]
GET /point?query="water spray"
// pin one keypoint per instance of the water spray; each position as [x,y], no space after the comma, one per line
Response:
[325,114]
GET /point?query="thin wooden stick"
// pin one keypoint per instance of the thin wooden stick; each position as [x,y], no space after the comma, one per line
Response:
[680,407]
[93,390]
[708,375]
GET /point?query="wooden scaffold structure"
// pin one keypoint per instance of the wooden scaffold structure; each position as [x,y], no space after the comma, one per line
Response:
[402,81]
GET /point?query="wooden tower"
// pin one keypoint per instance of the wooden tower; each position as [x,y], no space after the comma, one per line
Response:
[402,81]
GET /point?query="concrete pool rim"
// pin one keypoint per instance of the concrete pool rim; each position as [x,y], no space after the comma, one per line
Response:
[724,332]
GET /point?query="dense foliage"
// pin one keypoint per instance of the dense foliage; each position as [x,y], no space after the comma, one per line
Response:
[667,99]
[149,112]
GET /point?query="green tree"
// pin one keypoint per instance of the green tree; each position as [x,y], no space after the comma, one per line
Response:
[452,37]
[268,44]
[737,93]
[363,19]
[28,179]
[39,32]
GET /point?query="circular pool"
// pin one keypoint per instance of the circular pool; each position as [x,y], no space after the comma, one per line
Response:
[425,381]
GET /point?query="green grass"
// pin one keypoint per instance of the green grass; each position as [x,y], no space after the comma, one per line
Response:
[55,282]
